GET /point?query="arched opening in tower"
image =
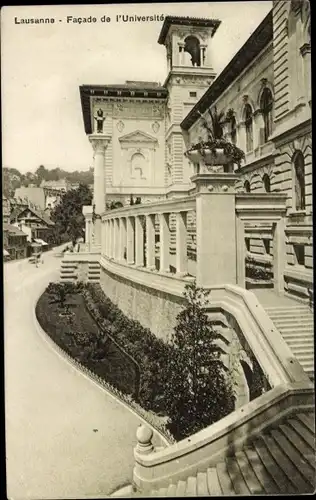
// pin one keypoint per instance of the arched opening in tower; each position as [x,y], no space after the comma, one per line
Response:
[192,46]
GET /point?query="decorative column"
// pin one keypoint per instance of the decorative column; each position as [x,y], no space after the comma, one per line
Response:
[130,251]
[164,243]
[279,255]
[203,54]
[181,54]
[150,241]
[241,254]
[99,143]
[215,229]
[181,244]
[139,241]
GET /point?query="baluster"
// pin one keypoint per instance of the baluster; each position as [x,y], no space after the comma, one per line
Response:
[139,243]
[130,228]
[150,241]
[181,243]
[122,240]
[117,239]
[164,242]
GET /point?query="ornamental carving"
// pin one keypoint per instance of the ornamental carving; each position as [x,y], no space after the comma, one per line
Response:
[138,139]
[155,126]
[138,110]
[120,126]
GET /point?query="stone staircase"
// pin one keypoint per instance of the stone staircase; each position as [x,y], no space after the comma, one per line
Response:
[68,271]
[281,460]
[94,272]
[296,325]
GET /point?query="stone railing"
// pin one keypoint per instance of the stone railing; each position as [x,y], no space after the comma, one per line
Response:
[129,235]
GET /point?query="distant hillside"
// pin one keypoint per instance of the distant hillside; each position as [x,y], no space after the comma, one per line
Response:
[13,179]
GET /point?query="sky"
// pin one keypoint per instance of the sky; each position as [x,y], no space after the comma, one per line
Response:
[43,65]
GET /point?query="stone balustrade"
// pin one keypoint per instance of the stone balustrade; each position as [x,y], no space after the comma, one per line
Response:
[130,235]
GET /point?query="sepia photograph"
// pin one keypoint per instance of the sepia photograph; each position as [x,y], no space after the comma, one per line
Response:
[158,250]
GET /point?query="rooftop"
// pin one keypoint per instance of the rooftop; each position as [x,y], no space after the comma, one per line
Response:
[186,21]
[13,230]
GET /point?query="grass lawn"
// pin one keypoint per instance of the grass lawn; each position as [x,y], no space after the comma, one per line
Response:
[79,335]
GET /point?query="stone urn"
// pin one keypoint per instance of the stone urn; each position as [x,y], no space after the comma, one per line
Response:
[211,158]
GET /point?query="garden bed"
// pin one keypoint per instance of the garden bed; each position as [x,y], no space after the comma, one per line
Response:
[78,334]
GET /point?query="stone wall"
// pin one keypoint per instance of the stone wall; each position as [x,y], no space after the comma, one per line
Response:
[153,309]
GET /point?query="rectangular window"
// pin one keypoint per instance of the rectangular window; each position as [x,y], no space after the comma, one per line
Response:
[299,252]
[192,94]
[247,243]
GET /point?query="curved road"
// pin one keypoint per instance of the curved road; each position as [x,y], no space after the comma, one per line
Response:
[65,436]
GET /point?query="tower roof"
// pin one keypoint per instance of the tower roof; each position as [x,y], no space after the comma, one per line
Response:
[186,21]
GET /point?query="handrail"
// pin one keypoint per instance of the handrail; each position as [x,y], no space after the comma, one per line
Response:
[166,206]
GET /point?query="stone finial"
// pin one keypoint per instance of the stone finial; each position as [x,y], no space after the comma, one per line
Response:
[144,437]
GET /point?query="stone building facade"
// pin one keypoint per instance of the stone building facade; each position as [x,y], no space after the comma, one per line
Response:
[140,130]
[143,155]
[266,90]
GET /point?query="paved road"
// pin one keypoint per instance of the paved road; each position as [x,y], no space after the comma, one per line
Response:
[65,436]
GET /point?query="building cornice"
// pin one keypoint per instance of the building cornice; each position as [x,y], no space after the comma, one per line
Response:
[261,37]
[186,21]
[114,92]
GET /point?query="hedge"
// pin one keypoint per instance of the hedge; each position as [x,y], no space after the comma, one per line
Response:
[148,352]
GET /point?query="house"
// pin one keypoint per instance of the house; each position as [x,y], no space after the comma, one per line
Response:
[36,224]
[14,242]
[45,198]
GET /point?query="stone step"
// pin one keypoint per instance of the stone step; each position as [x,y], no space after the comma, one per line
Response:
[281,460]
[298,328]
[297,335]
[292,321]
[308,341]
[191,489]
[301,349]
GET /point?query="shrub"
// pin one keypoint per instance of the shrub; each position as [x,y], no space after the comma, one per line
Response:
[197,392]
[149,352]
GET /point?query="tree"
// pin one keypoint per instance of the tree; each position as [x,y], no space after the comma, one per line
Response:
[198,392]
[41,174]
[68,216]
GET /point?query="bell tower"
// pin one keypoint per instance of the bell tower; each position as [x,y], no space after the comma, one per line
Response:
[188,42]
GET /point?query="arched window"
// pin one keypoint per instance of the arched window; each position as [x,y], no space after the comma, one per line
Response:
[192,46]
[266,105]
[138,166]
[266,183]
[248,126]
[247,186]
[233,130]
[299,180]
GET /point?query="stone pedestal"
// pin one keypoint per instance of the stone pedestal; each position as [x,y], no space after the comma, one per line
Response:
[215,229]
